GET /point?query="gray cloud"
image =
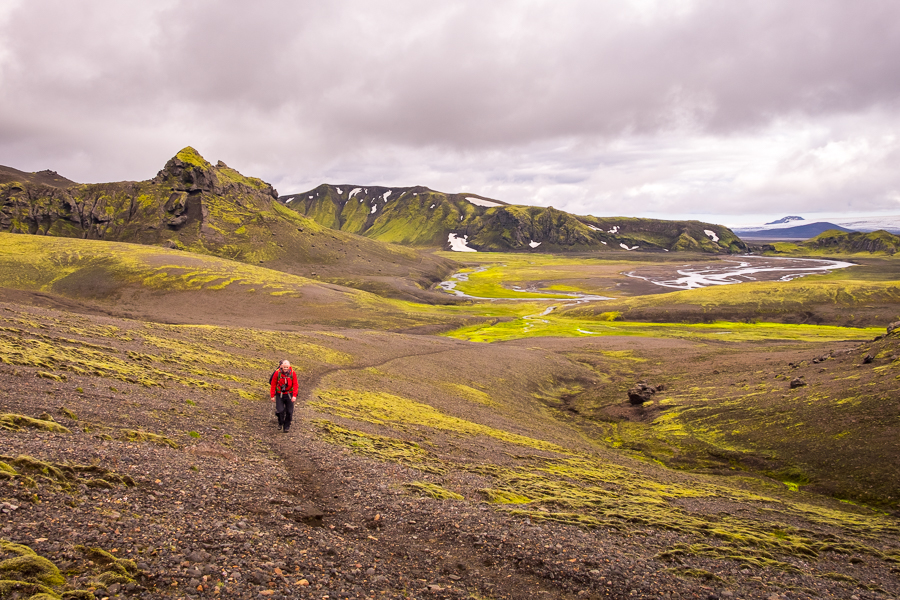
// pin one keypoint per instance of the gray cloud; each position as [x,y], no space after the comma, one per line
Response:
[658,107]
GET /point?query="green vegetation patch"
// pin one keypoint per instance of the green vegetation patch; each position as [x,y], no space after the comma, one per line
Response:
[560,326]
[14,422]
[132,435]
[380,447]
[33,472]
[432,490]
[384,408]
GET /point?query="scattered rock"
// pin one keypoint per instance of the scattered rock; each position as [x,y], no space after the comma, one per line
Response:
[797,382]
[868,358]
[641,393]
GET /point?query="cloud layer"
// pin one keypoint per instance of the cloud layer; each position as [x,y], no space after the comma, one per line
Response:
[655,108]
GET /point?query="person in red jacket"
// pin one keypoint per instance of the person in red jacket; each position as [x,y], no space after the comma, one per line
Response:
[284,394]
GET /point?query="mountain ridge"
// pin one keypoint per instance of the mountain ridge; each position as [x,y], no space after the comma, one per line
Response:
[419,216]
[194,205]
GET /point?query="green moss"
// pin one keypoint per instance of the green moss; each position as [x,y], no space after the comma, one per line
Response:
[132,435]
[432,490]
[381,407]
[68,413]
[694,573]
[50,376]
[15,422]
[380,447]
[504,497]
[565,326]
[25,589]
[194,434]
[27,566]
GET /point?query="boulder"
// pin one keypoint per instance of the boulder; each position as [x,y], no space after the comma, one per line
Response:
[641,393]
[895,326]
[797,382]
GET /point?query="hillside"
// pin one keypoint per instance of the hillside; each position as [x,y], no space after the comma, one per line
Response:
[853,242]
[141,459]
[418,216]
[174,286]
[212,209]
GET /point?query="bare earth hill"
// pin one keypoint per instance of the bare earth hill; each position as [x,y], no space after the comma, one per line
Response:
[419,216]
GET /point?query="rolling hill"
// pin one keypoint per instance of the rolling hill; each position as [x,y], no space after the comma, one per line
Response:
[418,216]
[212,209]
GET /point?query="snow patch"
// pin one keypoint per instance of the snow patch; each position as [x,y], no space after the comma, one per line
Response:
[374,208]
[480,202]
[458,244]
[310,197]
[354,192]
[712,234]
[432,206]
[604,243]
[289,200]
[627,248]
[339,191]
[591,227]
[386,194]
[534,244]
[615,229]
[460,217]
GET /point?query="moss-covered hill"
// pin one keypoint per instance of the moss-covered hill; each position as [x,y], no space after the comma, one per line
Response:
[210,209]
[419,216]
[172,286]
[852,242]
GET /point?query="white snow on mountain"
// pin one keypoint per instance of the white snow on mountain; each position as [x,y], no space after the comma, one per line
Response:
[534,244]
[712,235]
[866,224]
[353,192]
[374,208]
[591,227]
[458,244]
[485,203]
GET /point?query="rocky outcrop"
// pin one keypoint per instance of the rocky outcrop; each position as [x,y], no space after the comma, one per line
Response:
[839,241]
[189,197]
[642,392]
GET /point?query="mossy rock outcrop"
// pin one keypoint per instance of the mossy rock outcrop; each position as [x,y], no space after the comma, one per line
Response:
[14,422]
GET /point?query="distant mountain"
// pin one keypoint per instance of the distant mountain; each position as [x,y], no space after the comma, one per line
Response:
[419,216]
[797,232]
[785,220]
[212,209]
[889,223]
[46,177]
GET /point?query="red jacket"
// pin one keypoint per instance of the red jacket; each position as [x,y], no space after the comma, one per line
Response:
[284,383]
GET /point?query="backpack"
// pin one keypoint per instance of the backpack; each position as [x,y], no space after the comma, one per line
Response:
[283,383]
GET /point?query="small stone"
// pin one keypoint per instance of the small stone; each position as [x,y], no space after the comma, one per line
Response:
[370,571]
[113,589]
[303,582]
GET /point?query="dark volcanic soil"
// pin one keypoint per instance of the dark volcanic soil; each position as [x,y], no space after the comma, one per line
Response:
[239,510]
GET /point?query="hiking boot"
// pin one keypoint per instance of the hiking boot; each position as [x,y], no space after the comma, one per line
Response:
[286,429]
[280,427]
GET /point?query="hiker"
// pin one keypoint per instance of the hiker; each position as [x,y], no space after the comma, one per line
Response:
[284,388]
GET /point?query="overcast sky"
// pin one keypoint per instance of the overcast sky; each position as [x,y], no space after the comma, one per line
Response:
[723,109]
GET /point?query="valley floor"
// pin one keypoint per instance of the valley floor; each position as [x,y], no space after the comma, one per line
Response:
[418,467]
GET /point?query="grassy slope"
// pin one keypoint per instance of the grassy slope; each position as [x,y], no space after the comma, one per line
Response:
[214,210]
[422,217]
[177,286]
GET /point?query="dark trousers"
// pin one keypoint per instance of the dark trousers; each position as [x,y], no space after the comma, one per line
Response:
[284,408]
